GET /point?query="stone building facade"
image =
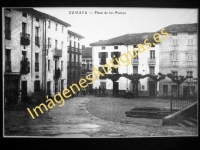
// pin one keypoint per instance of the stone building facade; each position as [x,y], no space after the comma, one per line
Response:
[178,56]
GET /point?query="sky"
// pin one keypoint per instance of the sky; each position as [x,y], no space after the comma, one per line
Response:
[117,21]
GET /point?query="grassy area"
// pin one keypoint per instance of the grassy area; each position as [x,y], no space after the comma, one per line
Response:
[114,109]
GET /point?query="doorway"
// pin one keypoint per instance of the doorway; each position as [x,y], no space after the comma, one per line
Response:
[165,90]
[152,88]
[24,91]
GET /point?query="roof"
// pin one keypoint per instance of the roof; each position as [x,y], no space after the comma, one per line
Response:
[127,39]
[181,28]
[43,15]
[75,34]
[87,52]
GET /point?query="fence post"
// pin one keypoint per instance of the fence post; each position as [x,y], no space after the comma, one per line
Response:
[171,103]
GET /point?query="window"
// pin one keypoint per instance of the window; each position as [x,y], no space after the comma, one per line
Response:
[152,54]
[37,36]
[103,56]
[70,43]
[174,73]
[36,62]
[61,45]
[7,61]
[174,34]
[135,69]
[62,29]
[56,26]
[49,24]
[189,57]
[152,70]
[88,66]
[37,19]
[49,42]
[23,27]
[189,73]
[49,65]
[115,47]
[135,46]
[78,45]
[24,14]
[7,28]
[175,41]
[23,55]
[174,56]
[114,70]
[135,54]
[102,70]
[115,55]
[74,44]
[103,47]
[61,65]
[36,86]
[56,44]
[74,37]
[190,41]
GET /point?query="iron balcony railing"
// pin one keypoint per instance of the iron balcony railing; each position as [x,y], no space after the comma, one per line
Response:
[8,34]
[151,60]
[58,52]
[8,66]
[135,61]
[24,39]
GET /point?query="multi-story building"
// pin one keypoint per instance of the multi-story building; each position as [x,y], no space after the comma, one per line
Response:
[87,63]
[22,43]
[178,56]
[27,37]
[145,63]
[74,57]
[55,33]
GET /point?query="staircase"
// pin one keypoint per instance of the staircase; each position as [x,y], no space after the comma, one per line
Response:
[189,121]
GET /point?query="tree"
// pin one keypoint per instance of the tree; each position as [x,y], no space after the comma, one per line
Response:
[178,79]
[113,77]
[156,78]
[135,79]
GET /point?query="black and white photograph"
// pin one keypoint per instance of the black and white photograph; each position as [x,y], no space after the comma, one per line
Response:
[100,72]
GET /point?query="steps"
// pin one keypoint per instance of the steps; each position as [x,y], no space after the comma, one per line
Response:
[189,121]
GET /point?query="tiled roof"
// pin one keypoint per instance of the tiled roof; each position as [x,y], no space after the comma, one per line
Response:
[181,28]
[75,34]
[127,39]
[43,15]
[87,52]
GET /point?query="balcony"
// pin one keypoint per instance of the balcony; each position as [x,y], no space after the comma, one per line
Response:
[57,73]
[8,66]
[37,41]
[174,47]
[135,61]
[151,61]
[190,47]
[25,66]
[58,52]
[8,34]
[25,39]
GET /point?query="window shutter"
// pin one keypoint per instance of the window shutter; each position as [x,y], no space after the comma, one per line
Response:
[100,54]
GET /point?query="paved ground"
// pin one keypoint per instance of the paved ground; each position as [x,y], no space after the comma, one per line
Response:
[74,121]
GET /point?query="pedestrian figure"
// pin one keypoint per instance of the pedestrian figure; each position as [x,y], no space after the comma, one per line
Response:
[99,90]
[103,91]
[127,93]
[84,92]
[95,91]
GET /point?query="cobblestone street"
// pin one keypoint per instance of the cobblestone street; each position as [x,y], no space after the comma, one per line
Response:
[73,120]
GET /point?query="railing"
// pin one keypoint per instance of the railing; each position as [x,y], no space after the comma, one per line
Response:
[37,41]
[135,61]
[8,34]
[178,103]
[152,61]
[175,47]
[8,66]
[58,52]
[190,47]
[24,39]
